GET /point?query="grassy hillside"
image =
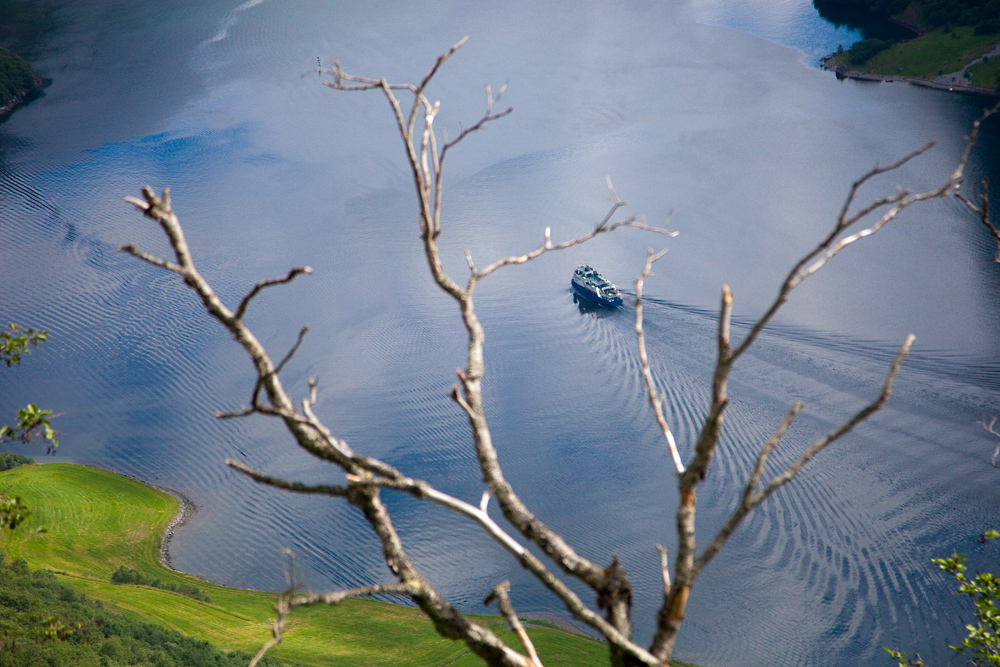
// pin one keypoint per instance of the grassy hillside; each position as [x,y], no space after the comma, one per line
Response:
[937,53]
[986,74]
[97,521]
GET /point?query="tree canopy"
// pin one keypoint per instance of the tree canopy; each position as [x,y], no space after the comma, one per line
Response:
[46,623]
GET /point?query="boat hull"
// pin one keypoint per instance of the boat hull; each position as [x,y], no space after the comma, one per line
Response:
[583,292]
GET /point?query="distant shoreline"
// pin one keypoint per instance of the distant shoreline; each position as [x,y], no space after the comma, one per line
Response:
[827,63]
[23,98]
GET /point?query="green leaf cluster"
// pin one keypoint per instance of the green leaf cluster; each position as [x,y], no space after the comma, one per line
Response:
[982,643]
[31,422]
[15,340]
[127,575]
[867,49]
[46,623]
[901,661]
[13,512]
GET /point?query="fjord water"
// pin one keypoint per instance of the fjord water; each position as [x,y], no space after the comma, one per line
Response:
[748,144]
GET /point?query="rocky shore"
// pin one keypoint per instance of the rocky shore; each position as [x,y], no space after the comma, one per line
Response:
[187,509]
[957,86]
[19,83]
[23,98]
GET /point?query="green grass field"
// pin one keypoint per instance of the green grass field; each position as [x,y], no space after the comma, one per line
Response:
[96,521]
[925,57]
[986,74]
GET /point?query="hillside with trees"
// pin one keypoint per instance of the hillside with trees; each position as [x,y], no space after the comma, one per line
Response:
[982,15]
[17,81]
[46,622]
[955,45]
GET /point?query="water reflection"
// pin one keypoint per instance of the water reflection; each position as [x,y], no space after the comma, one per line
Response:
[842,14]
[588,307]
[27,26]
[817,27]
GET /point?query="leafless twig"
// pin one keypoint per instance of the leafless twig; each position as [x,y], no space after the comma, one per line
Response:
[500,593]
[990,429]
[656,398]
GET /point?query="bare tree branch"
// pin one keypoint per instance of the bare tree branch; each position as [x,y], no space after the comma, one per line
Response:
[278,626]
[656,398]
[751,498]
[601,228]
[337,597]
[983,210]
[510,504]
[990,429]
[316,439]
[264,284]
[287,485]
[500,593]
[664,568]
[420,489]
[155,261]
[295,348]
[687,565]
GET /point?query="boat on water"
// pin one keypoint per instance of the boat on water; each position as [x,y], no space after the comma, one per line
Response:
[591,285]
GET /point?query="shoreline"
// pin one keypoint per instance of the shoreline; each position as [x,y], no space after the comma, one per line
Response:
[954,82]
[560,622]
[98,520]
[184,514]
[24,98]
[912,80]
[187,509]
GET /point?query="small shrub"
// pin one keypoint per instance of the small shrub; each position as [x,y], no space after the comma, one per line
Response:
[9,461]
[127,575]
[867,49]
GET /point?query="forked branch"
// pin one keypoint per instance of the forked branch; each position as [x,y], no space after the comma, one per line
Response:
[603,227]
[851,226]
[500,593]
[752,497]
[990,425]
[419,143]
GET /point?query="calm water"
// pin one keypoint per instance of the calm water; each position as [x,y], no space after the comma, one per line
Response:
[689,109]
